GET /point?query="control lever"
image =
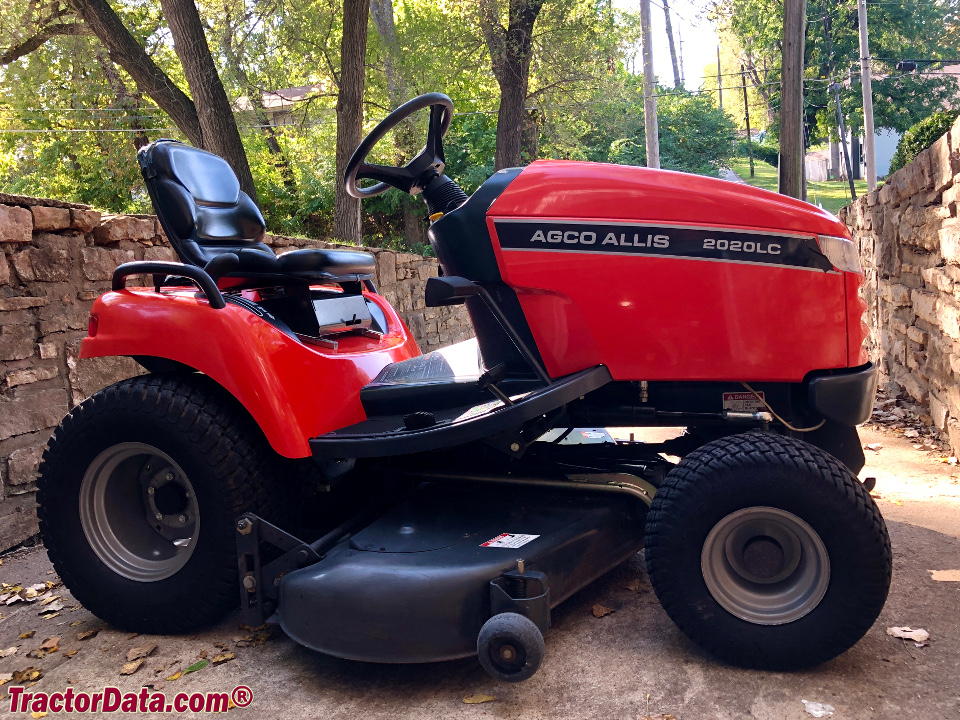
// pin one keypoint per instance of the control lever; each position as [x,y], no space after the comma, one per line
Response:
[489,380]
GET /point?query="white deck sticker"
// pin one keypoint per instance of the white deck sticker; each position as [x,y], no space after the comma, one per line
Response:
[509,540]
[743,402]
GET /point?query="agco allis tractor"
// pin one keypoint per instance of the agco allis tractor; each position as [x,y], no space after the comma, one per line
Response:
[291,448]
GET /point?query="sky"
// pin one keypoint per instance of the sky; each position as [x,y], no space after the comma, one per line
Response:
[698,34]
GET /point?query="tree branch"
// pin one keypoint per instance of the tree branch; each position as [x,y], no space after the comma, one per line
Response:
[45,33]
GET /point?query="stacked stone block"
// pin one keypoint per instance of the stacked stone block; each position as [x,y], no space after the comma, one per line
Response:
[909,236]
[56,258]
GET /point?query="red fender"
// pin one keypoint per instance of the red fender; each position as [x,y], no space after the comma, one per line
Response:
[293,390]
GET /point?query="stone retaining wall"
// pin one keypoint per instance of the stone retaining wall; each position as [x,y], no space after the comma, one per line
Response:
[55,259]
[909,236]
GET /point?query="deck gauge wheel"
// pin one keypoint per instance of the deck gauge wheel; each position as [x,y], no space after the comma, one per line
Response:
[510,647]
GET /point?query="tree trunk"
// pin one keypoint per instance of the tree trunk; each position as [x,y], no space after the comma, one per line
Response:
[353,52]
[218,126]
[673,51]
[511,49]
[530,137]
[126,52]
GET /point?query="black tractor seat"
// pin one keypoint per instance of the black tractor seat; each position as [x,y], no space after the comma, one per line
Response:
[206,215]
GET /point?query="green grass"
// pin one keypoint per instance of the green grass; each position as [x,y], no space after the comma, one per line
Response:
[832,195]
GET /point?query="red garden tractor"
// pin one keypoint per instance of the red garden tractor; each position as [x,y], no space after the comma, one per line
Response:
[290,448]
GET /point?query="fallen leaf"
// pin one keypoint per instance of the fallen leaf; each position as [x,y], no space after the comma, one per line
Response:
[38,715]
[199,665]
[918,635]
[876,447]
[477,699]
[131,667]
[202,654]
[26,675]
[87,634]
[9,651]
[911,433]
[76,622]
[27,635]
[175,676]
[223,657]
[632,586]
[600,611]
[51,644]
[818,710]
[71,653]
[141,651]
[54,607]
[898,502]
[47,601]
[131,636]
[5,678]
[940,575]
[38,654]
[49,616]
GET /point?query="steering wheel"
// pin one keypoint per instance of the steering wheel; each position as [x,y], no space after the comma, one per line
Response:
[414,176]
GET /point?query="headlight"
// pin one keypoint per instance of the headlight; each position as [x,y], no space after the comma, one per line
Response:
[843,253]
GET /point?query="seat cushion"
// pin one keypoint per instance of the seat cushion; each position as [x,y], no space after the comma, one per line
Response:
[326,263]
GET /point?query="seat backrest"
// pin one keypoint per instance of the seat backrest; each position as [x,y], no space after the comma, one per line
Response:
[198,200]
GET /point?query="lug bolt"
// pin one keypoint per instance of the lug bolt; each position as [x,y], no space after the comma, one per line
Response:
[244,526]
[151,491]
[169,477]
[159,516]
[515,447]
[189,494]
[182,518]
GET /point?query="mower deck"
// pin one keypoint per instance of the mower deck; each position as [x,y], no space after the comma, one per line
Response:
[417,584]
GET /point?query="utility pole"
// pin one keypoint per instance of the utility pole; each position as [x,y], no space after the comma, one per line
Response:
[791,98]
[719,79]
[869,150]
[673,50]
[843,139]
[683,79]
[649,99]
[746,116]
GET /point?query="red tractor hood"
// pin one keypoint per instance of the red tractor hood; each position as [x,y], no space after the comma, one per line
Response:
[583,190]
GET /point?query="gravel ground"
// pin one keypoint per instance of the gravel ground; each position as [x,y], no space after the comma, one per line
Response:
[628,664]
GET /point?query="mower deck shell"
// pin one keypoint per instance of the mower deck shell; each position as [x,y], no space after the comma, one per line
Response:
[414,586]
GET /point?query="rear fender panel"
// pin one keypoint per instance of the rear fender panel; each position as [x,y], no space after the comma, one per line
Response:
[293,390]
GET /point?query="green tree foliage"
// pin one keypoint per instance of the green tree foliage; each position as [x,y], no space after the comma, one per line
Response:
[920,137]
[898,30]
[71,120]
[695,135]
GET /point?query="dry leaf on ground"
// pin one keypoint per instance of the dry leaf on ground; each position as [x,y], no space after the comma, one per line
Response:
[633,585]
[223,657]
[477,699]
[53,607]
[87,634]
[600,611]
[38,715]
[140,652]
[175,676]
[818,710]
[131,667]
[51,644]
[26,675]
[945,575]
[28,634]
[919,635]
[71,653]
[76,622]
[5,678]
[9,651]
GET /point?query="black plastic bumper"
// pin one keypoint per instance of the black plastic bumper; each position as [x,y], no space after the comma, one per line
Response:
[845,396]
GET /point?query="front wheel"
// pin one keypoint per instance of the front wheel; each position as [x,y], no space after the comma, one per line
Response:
[138,491]
[767,552]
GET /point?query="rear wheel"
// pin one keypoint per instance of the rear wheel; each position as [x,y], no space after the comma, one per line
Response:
[138,491]
[767,552]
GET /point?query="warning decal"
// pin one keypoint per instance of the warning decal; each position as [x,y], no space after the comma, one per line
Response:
[509,540]
[743,402]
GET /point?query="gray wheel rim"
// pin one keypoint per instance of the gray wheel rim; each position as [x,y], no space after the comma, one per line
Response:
[139,512]
[765,565]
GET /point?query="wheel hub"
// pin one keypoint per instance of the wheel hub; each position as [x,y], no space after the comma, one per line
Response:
[765,565]
[139,512]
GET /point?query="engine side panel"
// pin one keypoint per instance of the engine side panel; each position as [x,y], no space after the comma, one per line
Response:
[669,276]
[293,390]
